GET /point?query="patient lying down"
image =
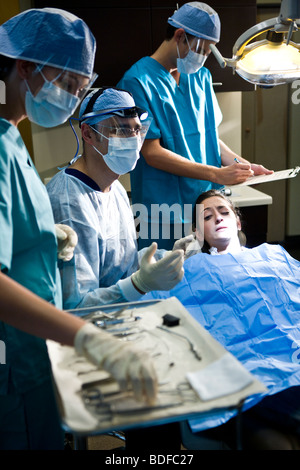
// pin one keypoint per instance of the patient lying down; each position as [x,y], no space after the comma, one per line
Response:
[249,300]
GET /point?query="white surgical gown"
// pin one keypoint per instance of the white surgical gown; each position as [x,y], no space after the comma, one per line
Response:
[106,253]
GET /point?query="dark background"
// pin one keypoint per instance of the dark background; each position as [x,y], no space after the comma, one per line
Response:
[127,30]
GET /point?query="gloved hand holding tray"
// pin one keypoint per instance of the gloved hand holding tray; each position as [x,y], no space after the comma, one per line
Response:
[195,373]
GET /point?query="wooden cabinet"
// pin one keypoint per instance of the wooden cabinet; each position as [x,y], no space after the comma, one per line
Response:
[127,30]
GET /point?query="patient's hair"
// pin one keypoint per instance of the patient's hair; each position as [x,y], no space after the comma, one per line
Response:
[213,193]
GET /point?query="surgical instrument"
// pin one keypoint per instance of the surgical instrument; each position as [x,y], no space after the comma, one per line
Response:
[106,323]
[192,346]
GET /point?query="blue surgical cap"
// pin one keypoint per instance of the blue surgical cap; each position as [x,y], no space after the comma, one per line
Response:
[198,19]
[109,101]
[49,36]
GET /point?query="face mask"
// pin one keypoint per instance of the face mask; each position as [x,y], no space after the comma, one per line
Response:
[51,106]
[122,154]
[192,62]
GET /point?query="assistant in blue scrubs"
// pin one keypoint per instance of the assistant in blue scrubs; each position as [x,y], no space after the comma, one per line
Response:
[28,254]
[30,289]
[182,155]
[185,120]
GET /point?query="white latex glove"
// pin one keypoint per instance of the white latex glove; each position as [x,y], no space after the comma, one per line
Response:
[66,241]
[189,245]
[159,275]
[127,365]
[192,249]
[183,243]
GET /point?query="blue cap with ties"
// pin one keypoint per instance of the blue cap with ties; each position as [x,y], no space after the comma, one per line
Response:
[102,103]
[50,36]
[197,19]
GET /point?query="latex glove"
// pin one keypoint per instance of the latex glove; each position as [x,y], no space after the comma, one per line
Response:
[183,243]
[192,249]
[190,245]
[127,365]
[66,241]
[159,275]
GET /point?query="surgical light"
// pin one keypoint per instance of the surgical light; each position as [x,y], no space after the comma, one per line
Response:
[274,60]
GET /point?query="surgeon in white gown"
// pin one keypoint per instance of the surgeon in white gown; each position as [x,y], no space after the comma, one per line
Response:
[88,197]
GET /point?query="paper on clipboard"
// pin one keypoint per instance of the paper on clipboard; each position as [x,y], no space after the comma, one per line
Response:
[277,175]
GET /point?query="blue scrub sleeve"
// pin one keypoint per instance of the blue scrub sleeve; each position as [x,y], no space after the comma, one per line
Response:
[142,100]
[6,224]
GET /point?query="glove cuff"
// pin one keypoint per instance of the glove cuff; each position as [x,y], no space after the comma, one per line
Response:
[138,283]
[129,291]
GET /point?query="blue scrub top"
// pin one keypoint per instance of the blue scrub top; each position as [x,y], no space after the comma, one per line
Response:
[185,118]
[28,254]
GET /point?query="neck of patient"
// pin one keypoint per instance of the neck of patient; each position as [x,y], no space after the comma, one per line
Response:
[227,246]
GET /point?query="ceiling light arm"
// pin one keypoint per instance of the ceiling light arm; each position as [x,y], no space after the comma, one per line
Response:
[287,22]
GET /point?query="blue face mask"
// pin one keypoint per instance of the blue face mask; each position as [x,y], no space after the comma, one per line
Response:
[51,106]
[122,154]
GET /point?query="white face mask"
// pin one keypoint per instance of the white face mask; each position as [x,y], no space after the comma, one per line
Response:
[192,62]
[122,154]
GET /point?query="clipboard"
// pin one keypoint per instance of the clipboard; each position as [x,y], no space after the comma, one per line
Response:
[277,175]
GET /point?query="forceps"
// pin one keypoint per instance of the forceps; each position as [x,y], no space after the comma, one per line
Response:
[192,346]
[100,314]
[95,399]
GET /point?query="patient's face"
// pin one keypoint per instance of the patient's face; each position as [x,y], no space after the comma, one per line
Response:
[221,224]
